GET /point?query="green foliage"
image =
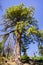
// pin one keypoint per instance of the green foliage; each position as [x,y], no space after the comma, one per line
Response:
[0,45]
[24,18]
[24,49]
[20,13]
[24,58]
[40,47]
[42,34]
[37,58]
[40,50]
[33,30]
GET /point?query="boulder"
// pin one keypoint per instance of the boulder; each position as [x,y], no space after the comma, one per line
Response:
[26,64]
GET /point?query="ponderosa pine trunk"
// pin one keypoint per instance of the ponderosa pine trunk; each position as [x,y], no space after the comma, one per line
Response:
[18,49]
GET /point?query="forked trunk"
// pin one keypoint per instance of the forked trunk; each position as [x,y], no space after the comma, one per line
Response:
[17,50]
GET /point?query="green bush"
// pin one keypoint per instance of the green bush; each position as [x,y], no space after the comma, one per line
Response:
[25,59]
[37,58]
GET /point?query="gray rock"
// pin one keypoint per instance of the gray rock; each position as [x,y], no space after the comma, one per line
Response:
[26,64]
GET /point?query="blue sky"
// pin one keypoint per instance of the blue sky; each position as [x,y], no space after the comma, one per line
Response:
[38,4]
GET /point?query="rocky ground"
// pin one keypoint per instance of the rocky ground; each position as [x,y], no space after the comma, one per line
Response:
[5,61]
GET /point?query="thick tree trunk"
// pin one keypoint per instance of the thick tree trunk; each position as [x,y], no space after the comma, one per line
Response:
[17,50]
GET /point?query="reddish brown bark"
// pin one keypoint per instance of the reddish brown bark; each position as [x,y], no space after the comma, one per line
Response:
[17,50]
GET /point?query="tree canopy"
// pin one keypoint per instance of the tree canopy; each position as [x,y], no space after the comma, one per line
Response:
[22,19]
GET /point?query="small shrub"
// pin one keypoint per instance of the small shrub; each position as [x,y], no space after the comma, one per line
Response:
[25,59]
[38,58]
